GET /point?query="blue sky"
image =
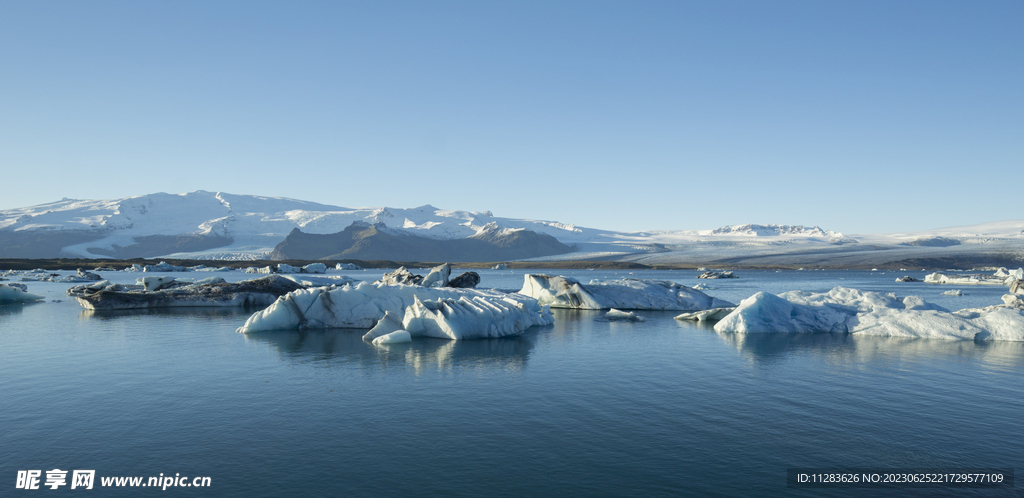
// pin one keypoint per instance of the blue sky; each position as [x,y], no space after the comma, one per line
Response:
[854,116]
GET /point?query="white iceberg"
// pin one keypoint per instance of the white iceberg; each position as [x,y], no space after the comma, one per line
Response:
[426,311]
[870,313]
[347,266]
[315,268]
[954,292]
[16,293]
[471,317]
[705,315]
[395,337]
[1001,277]
[628,293]
[615,315]
[438,276]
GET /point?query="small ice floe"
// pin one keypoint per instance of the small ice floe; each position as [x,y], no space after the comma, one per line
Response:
[1000,277]
[954,292]
[615,315]
[500,266]
[907,278]
[17,293]
[627,293]
[703,287]
[347,266]
[395,337]
[706,315]
[717,274]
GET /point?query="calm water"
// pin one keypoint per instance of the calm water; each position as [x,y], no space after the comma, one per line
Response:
[582,407]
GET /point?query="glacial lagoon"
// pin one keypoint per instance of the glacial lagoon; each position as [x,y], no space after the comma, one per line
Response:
[581,407]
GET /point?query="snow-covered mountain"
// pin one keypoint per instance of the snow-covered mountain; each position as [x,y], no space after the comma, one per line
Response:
[217,225]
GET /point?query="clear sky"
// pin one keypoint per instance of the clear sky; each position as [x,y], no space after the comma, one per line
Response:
[855,116]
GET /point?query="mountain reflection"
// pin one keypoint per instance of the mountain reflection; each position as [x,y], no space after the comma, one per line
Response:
[346,346]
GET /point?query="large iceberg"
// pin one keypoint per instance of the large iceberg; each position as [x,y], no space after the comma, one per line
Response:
[870,313]
[257,292]
[425,311]
[628,293]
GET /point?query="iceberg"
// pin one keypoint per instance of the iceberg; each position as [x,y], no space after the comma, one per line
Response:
[401,276]
[717,274]
[17,293]
[347,266]
[705,315]
[438,276]
[1001,277]
[954,292]
[467,280]
[471,317]
[615,315]
[907,278]
[395,337]
[627,293]
[257,292]
[852,311]
[442,312]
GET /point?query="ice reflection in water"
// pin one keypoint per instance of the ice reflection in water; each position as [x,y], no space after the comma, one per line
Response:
[346,346]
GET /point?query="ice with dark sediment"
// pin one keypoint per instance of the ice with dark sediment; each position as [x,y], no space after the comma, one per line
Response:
[256,292]
[628,293]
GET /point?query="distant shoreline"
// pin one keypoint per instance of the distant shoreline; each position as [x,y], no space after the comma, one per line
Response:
[939,264]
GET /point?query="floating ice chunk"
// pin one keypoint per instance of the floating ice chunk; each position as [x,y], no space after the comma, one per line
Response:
[438,276]
[347,266]
[154,283]
[615,315]
[362,305]
[971,279]
[705,315]
[391,322]
[717,274]
[395,337]
[162,266]
[629,293]
[315,268]
[907,278]
[324,281]
[471,316]
[16,293]
[500,266]
[467,280]
[401,276]
[871,313]
[257,292]
[286,268]
[954,292]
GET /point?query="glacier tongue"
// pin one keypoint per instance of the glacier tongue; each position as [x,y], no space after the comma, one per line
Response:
[628,293]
